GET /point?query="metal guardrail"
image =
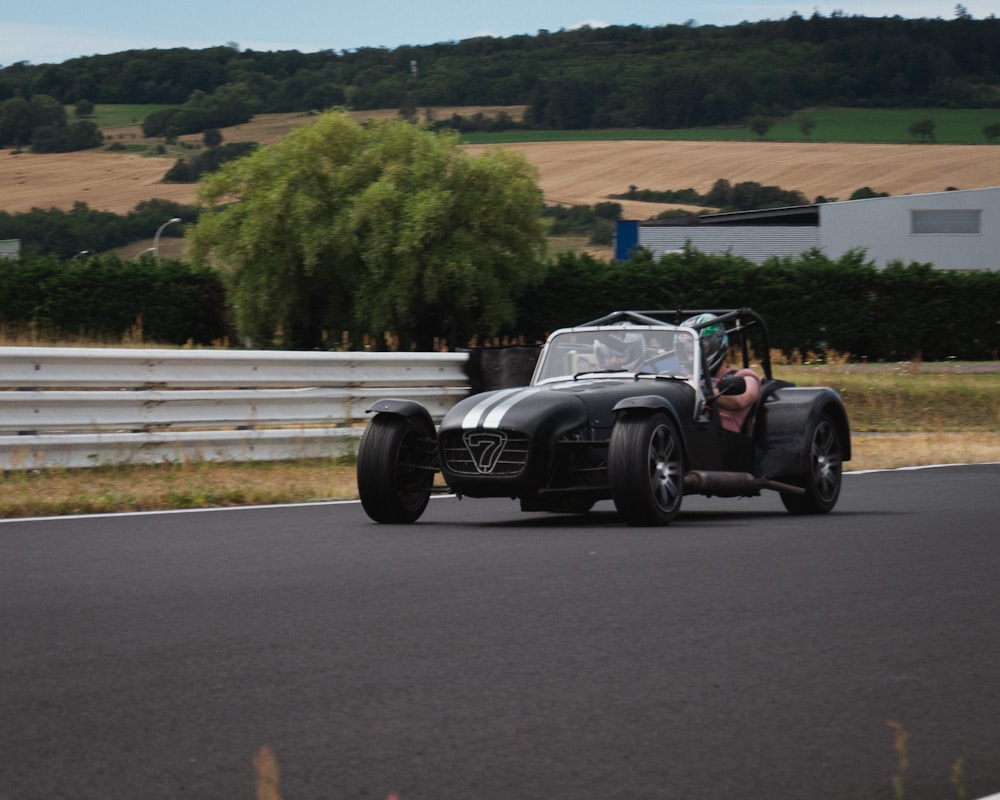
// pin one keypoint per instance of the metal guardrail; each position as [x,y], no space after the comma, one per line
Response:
[75,407]
[94,367]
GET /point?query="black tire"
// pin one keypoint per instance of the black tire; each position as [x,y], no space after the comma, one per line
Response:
[824,457]
[646,469]
[395,469]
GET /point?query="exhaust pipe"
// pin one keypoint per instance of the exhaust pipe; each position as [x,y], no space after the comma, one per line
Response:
[733,484]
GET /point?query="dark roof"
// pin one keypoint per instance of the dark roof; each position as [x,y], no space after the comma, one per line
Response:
[790,215]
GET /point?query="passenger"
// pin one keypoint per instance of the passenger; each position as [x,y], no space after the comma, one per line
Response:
[734,404]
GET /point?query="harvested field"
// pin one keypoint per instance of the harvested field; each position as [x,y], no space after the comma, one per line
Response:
[569,172]
[104,181]
[588,172]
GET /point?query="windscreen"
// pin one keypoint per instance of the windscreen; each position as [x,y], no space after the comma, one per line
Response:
[656,351]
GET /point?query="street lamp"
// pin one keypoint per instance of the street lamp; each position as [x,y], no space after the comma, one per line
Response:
[156,238]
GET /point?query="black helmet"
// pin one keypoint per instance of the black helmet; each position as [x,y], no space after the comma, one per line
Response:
[714,342]
[619,350]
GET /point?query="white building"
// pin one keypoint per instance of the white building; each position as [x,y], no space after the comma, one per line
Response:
[10,248]
[950,230]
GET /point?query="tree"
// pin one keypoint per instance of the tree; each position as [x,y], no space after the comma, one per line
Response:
[865,193]
[46,111]
[212,137]
[922,129]
[720,195]
[15,122]
[83,135]
[807,124]
[760,125]
[383,226]
[992,132]
[609,211]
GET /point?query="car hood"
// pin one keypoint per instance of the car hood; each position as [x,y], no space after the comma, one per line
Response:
[559,406]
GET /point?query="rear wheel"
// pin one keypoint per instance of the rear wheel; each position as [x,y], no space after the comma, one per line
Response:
[646,469]
[395,468]
[825,464]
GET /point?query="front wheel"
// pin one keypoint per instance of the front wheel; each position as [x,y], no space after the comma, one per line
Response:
[825,464]
[646,469]
[395,469]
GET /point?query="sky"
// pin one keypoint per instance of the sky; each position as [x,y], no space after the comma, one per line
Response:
[52,31]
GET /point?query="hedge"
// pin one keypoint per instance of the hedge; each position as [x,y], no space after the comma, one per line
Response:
[812,303]
[104,299]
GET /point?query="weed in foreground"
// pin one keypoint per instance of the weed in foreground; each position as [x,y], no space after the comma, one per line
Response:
[957,778]
[899,737]
[266,766]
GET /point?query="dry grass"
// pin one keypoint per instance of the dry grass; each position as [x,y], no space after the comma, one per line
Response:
[588,172]
[911,396]
[178,485]
[118,181]
[902,415]
[569,172]
[203,485]
[889,450]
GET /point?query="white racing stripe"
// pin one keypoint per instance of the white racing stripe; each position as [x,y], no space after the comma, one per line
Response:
[495,416]
[475,414]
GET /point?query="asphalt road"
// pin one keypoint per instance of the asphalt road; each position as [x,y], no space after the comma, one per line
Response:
[741,653]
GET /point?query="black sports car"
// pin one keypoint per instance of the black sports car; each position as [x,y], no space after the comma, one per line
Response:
[619,408]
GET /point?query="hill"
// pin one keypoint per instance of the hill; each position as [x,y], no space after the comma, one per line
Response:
[572,172]
[624,76]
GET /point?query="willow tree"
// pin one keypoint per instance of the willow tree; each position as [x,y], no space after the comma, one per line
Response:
[386,228]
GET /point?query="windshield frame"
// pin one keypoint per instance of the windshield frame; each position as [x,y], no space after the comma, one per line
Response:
[568,355]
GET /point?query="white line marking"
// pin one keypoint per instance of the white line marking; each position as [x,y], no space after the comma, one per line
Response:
[920,466]
[313,503]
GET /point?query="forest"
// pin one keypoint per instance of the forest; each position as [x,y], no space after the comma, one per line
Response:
[670,76]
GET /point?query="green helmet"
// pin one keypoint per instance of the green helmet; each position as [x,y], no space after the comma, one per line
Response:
[714,342]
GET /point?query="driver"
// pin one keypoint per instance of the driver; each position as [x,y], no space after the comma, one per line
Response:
[734,407]
[619,351]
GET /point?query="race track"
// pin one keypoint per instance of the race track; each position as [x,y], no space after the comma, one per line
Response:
[492,655]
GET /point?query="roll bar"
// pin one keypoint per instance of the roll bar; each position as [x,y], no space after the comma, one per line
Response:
[739,322]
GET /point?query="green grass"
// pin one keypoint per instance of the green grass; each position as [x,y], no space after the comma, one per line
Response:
[891,125]
[868,125]
[119,116]
[951,126]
